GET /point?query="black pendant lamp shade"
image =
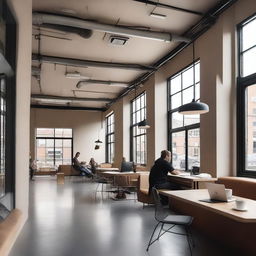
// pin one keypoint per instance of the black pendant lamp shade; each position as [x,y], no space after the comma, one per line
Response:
[143,124]
[98,141]
[194,107]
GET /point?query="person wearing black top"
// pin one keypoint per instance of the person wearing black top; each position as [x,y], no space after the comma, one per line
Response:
[159,172]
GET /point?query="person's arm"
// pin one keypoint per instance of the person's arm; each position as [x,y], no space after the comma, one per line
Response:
[175,172]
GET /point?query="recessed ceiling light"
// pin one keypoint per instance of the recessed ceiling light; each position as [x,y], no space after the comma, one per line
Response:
[157,15]
[75,75]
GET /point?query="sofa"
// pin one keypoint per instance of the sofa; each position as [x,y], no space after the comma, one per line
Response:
[68,170]
[236,235]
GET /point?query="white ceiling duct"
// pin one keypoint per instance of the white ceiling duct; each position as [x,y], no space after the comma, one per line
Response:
[46,18]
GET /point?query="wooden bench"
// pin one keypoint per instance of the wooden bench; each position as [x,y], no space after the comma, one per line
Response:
[9,229]
[230,232]
[68,170]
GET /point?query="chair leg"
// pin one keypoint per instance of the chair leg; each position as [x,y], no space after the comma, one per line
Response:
[149,243]
[160,231]
[188,239]
[191,237]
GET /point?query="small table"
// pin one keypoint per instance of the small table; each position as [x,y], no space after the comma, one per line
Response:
[100,170]
[190,181]
[122,179]
[60,178]
[223,208]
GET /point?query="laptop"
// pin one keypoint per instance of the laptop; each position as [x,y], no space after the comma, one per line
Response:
[127,167]
[217,193]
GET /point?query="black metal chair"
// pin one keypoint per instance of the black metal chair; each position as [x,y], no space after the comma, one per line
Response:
[163,217]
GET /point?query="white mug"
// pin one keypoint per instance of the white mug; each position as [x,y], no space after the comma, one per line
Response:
[240,204]
[228,193]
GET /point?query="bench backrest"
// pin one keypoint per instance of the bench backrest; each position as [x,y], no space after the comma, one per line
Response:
[244,187]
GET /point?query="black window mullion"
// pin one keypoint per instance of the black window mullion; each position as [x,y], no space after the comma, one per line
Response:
[243,83]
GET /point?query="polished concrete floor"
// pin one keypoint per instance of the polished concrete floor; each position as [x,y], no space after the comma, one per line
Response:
[68,220]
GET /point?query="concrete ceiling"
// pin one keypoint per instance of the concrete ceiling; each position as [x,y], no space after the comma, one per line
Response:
[52,80]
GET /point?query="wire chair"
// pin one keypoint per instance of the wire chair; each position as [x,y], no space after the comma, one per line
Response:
[163,217]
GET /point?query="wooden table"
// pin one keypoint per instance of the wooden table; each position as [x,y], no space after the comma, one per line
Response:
[190,181]
[99,170]
[223,208]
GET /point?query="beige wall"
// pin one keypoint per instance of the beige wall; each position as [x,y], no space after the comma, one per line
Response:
[86,127]
[23,14]
[217,50]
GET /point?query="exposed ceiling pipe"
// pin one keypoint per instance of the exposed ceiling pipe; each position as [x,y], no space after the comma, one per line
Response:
[86,63]
[67,107]
[162,5]
[40,18]
[85,33]
[196,31]
[105,82]
[54,97]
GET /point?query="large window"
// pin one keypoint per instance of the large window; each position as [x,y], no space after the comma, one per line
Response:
[138,136]
[110,138]
[53,147]
[184,131]
[246,98]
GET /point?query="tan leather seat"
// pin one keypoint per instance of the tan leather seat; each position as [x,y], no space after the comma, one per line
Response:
[142,190]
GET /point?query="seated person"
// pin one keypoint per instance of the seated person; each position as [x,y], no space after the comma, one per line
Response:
[93,165]
[32,167]
[159,172]
[79,167]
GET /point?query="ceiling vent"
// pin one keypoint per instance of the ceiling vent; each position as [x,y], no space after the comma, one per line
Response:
[118,40]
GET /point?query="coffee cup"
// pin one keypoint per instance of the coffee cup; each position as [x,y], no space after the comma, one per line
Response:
[228,193]
[240,204]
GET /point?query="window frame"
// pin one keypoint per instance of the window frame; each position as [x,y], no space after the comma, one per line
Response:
[185,128]
[8,199]
[133,125]
[54,138]
[108,138]
[243,82]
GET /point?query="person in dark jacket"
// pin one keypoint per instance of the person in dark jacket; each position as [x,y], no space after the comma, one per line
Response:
[79,167]
[159,172]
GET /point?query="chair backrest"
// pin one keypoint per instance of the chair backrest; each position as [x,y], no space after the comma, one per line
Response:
[160,211]
[144,181]
[126,167]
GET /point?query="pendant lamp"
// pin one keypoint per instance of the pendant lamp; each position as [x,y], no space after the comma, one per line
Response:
[143,124]
[194,107]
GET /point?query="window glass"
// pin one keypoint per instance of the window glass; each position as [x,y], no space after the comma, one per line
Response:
[110,138]
[250,159]
[53,147]
[138,136]
[249,38]
[178,150]
[193,148]
[185,146]
[175,85]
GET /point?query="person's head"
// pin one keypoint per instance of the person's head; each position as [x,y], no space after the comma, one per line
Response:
[123,159]
[166,155]
[77,154]
[92,160]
